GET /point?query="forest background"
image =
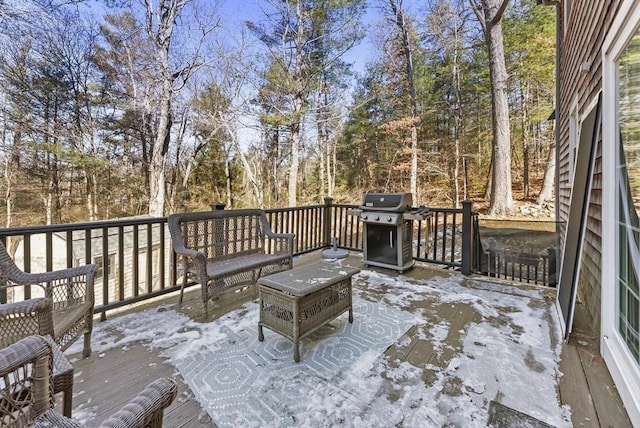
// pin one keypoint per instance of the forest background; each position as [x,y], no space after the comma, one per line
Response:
[118,108]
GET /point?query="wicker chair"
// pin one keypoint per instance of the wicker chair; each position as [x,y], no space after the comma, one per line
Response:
[70,290]
[30,317]
[26,394]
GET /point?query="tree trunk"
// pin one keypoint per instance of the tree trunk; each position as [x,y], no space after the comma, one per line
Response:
[294,165]
[332,161]
[257,192]
[526,145]
[9,199]
[296,113]
[490,13]
[396,7]
[10,170]
[323,143]
[546,193]
[161,32]
[157,170]
[90,196]
[227,176]
[458,124]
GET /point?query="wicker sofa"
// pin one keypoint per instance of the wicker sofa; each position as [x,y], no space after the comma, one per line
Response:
[26,394]
[71,293]
[226,249]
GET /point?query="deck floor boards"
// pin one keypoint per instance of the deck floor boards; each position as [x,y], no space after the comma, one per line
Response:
[586,385]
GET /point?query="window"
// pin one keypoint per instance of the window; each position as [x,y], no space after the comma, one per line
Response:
[149,268]
[574,137]
[620,202]
[110,265]
[628,179]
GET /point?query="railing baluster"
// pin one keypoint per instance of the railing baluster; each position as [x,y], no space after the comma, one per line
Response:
[105,266]
[315,226]
[121,284]
[454,226]
[135,255]
[27,263]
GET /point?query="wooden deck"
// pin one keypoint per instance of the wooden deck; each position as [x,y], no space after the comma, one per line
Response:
[587,385]
[105,381]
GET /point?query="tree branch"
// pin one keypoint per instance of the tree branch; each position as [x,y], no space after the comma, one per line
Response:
[498,16]
[480,14]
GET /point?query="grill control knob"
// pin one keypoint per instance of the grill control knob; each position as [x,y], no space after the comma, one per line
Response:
[389,219]
[376,218]
[363,216]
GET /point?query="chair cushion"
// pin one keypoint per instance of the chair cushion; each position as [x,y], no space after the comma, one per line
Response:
[65,319]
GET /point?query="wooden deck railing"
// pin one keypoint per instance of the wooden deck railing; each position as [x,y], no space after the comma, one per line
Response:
[525,267]
[136,261]
[134,256]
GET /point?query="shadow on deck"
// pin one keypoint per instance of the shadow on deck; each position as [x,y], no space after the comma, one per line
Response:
[106,380]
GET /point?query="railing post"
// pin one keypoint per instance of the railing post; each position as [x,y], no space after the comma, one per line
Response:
[328,202]
[552,280]
[218,225]
[467,237]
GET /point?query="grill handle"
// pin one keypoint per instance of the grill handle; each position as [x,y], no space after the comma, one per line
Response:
[391,241]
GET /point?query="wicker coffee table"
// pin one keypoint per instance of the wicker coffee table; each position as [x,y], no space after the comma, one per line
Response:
[296,302]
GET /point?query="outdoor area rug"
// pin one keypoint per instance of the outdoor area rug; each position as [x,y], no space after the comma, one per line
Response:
[243,382]
[464,352]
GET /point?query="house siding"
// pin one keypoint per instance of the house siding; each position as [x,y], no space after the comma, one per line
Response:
[582,41]
[589,290]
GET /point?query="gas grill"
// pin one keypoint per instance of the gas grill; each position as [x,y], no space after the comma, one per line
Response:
[388,229]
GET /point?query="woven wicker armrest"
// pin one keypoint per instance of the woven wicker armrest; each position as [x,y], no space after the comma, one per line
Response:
[22,352]
[285,236]
[178,243]
[270,233]
[21,319]
[147,408]
[197,256]
[29,306]
[283,242]
[26,367]
[189,255]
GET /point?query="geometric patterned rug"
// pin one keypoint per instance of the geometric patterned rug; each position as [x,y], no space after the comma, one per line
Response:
[243,382]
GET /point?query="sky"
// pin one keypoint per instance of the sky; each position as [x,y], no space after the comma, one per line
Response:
[238,11]
[507,354]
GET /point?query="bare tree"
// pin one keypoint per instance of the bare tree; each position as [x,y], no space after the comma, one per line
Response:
[160,22]
[156,70]
[447,25]
[490,13]
[300,37]
[400,20]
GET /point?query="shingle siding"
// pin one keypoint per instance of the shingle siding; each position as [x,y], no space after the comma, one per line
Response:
[582,43]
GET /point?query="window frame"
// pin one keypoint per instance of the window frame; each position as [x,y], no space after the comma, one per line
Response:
[623,367]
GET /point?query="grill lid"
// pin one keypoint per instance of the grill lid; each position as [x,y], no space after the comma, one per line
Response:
[392,202]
